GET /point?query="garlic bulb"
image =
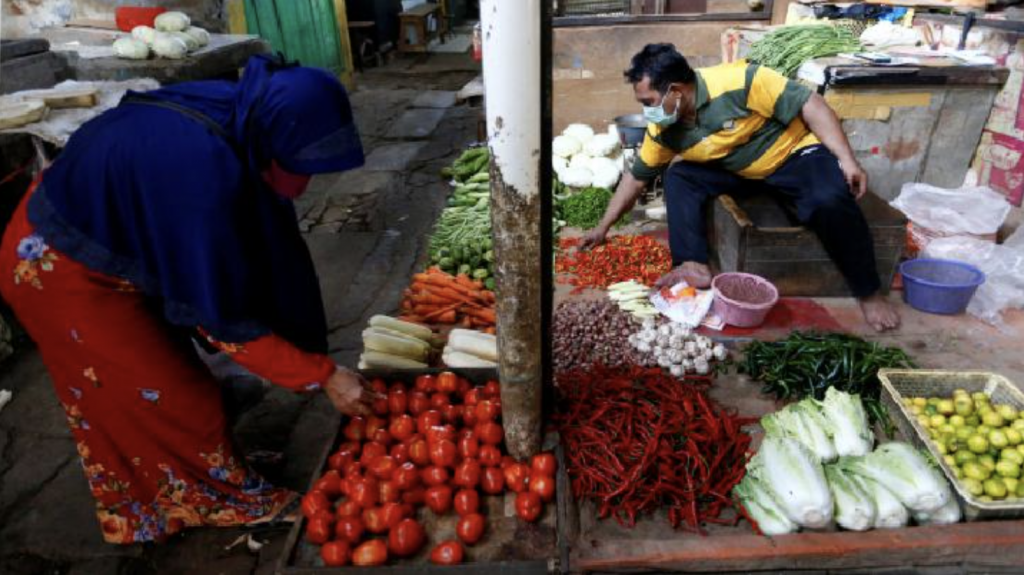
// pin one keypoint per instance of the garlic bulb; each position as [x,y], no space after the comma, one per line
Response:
[649,323]
[675,341]
[643,347]
[131,49]
[664,362]
[658,350]
[690,348]
[665,330]
[677,371]
[662,340]
[676,356]
[720,352]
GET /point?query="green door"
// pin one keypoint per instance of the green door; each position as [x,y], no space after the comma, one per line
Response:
[304,30]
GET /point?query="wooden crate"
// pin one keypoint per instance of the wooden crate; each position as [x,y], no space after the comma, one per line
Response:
[758,235]
[520,555]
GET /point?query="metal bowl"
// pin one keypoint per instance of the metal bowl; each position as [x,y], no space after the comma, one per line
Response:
[632,128]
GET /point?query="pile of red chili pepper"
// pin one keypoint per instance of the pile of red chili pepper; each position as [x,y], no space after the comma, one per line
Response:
[621,258]
[637,440]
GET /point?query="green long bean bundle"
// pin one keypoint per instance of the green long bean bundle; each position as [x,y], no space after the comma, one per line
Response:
[785,49]
[807,364]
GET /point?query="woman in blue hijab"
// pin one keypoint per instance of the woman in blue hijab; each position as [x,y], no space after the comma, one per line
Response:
[165,217]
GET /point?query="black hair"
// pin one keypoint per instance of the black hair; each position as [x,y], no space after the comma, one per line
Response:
[663,64]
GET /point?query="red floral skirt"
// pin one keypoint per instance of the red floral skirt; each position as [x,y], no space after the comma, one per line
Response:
[145,412]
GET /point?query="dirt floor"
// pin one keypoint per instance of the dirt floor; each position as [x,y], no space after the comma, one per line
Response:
[366,231]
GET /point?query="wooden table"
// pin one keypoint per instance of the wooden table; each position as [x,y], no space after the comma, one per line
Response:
[415,29]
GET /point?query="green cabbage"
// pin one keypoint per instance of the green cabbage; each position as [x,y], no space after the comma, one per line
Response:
[803,422]
[762,507]
[847,423]
[855,510]
[889,512]
[795,478]
[906,472]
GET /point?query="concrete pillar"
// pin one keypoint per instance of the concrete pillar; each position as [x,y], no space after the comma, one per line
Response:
[512,80]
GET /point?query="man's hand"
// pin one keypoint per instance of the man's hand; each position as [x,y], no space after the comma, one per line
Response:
[856,178]
[593,238]
[349,392]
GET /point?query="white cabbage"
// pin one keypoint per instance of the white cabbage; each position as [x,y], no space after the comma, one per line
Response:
[190,42]
[889,512]
[945,515]
[168,46]
[581,132]
[580,160]
[796,479]
[144,33]
[131,49]
[802,422]
[602,145]
[855,510]
[847,422]
[907,473]
[559,165]
[172,22]
[606,172]
[757,500]
[576,177]
[565,146]
[199,35]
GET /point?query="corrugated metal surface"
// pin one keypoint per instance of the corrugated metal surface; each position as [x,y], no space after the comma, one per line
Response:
[593,7]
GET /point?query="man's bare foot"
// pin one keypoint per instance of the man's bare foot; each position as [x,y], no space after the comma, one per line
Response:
[879,313]
[695,274]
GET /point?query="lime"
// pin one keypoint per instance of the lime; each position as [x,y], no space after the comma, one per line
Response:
[1018,425]
[1011,454]
[1013,436]
[950,460]
[963,456]
[924,420]
[1020,448]
[987,461]
[979,396]
[934,400]
[938,420]
[992,419]
[973,420]
[957,421]
[1008,469]
[945,407]
[908,401]
[977,443]
[964,432]
[916,410]
[997,439]
[984,430]
[1020,489]
[947,429]
[957,473]
[1008,412]
[995,488]
[920,401]
[963,405]
[941,446]
[960,391]
[930,410]
[974,470]
[973,486]
[1011,483]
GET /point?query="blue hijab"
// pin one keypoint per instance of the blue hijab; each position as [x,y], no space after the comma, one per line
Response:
[164,191]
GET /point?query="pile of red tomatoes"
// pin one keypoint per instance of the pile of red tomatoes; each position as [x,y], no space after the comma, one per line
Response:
[436,445]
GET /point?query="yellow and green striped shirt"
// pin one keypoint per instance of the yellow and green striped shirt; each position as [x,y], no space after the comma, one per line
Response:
[748,122]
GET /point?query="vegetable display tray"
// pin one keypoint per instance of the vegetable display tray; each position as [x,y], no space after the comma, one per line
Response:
[899,383]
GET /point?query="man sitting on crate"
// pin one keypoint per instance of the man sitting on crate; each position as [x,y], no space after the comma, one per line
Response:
[735,123]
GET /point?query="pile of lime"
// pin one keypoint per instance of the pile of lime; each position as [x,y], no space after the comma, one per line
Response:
[982,442]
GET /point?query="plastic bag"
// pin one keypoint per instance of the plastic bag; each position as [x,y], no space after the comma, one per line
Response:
[937,213]
[1003,266]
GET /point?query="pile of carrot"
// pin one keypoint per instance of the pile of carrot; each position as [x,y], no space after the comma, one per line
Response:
[441,298]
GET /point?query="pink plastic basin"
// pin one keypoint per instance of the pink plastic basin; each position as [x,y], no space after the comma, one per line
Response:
[743,300]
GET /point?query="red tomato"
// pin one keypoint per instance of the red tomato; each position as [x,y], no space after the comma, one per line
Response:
[419,402]
[406,538]
[370,553]
[490,456]
[374,520]
[492,482]
[467,474]
[349,529]
[406,476]
[392,513]
[365,492]
[379,386]
[383,437]
[419,452]
[472,396]
[402,427]
[443,453]
[426,420]
[415,496]
[452,414]
[489,433]
[469,419]
[398,401]
[373,424]
[350,447]
[470,528]
[464,387]
[338,461]
[329,485]
[355,429]
[379,405]
[314,502]
[492,390]
[543,486]
[528,506]
[485,411]
[439,499]
[447,553]
[517,477]
[348,508]
[397,386]
[440,433]
[389,492]
[467,501]
[469,447]
[507,460]
[335,553]
[400,453]
[371,451]
[435,475]
[426,384]
[439,401]
[544,464]
[353,470]
[447,382]
[383,467]
[318,529]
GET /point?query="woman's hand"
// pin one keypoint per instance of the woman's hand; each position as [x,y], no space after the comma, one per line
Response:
[349,392]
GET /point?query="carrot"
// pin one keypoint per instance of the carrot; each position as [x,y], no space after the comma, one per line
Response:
[453,295]
[467,322]
[429,298]
[476,322]
[411,318]
[491,331]
[437,312]
[447,317]
[442,280]
[485,314]
[463,280]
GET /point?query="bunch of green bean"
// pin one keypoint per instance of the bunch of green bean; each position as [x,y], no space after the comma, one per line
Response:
[786,49]
[585,208]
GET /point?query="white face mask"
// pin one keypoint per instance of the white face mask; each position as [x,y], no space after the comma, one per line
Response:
[656,114]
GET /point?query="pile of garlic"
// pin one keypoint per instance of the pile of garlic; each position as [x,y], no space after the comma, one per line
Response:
[676,348]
